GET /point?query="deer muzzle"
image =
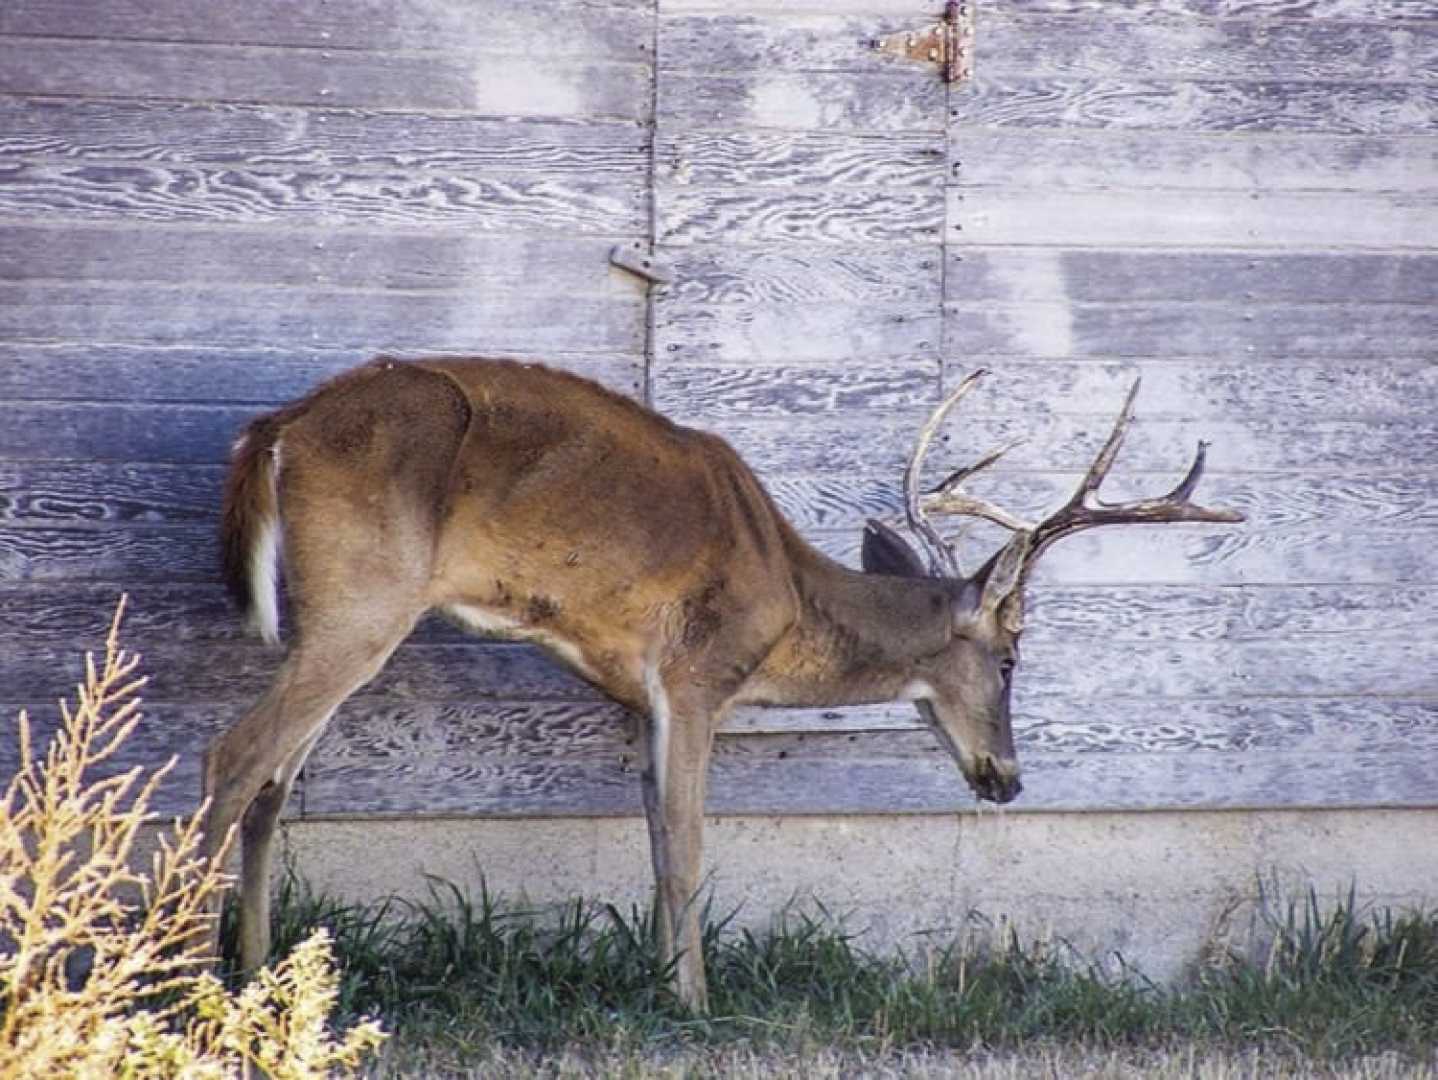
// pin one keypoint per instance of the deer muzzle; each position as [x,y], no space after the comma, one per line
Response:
[994,780]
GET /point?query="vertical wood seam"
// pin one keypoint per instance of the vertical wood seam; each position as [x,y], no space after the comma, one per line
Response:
[652,184]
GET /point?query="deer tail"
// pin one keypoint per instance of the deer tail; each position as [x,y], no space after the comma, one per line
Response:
[250,528]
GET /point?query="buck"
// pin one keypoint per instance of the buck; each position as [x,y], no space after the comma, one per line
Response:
[533,505]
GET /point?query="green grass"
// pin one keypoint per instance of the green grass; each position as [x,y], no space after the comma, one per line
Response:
[463,979]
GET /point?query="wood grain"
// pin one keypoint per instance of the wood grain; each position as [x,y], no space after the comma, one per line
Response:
[1018,216]
[268,136]
[1270,50]
[1355,10]
[743,159]
[259,378]
[901,102]
[788,273]
[278,317]
[974,273]
[614,29]
[240,74]
[708,392]
[1156,161]
[839,215]
[1190,330]
[1348,108]
[202,195]
[685,333]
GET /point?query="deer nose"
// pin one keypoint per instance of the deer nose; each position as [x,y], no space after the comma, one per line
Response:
[996,781]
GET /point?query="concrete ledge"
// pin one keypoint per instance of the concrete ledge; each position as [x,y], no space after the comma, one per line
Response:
[1153,887]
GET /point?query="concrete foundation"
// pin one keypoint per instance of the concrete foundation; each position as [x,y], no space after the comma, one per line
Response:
[1154,888]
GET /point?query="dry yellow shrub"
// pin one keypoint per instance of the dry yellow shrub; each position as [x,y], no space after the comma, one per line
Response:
[104,965]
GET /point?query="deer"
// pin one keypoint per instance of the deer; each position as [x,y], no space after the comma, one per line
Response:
[529,504]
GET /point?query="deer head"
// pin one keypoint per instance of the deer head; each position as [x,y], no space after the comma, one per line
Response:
[963,690]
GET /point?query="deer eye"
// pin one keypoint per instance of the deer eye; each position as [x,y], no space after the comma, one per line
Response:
[1006,667]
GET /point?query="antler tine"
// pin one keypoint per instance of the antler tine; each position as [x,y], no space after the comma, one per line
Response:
[941,556]
[1085,510]
[948,499]
[1101,464]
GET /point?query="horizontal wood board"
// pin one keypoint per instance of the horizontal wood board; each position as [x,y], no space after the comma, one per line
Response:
[199,218]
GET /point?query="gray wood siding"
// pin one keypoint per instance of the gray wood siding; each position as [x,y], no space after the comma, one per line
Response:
[204,210]
[1236,201]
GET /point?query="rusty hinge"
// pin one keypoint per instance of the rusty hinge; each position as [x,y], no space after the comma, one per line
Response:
[950,43]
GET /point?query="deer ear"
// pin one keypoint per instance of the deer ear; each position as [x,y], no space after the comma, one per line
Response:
[886,552]
[1006,572]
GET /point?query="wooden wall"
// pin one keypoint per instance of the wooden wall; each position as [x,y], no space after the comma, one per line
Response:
[205,208]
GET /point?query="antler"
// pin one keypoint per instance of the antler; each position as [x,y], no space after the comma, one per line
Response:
[947,498]
[1084,510]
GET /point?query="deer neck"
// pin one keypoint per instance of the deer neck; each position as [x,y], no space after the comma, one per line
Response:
[858,638]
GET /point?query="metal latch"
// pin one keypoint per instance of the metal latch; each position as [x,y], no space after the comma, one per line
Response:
[950,43]
[638,260]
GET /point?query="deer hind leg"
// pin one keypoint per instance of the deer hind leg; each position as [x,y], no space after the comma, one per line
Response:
[678,738]
[250,769]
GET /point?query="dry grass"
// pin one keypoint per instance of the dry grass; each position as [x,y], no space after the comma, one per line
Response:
[104,965]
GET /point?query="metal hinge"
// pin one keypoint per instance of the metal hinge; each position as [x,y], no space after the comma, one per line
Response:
[641,262]
[950,43]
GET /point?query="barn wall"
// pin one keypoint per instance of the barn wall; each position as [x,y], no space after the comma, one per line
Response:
[201,214]
[1235,201]
[204,209]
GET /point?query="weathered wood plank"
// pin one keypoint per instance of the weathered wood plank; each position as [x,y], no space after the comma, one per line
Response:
[906,101]
[833,215]
[260,377]
[74,431]
[1383,11]
[797,159]
[1149,161]
[849,445]
[906,275]
[1190,219]
[487,265]
[1161,329]
[1186,556]
[1096,45]
[76,493]
[132,556]
[224,671]
[780,41]
[1089,275]
[615,29]
[202,195]
[709,394]
[1346,108]
[281,316]
[162,733]
[488,85]
[686,333]
[1100,46]
[180,133]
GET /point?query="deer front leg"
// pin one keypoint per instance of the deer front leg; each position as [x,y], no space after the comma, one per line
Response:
[677,743]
